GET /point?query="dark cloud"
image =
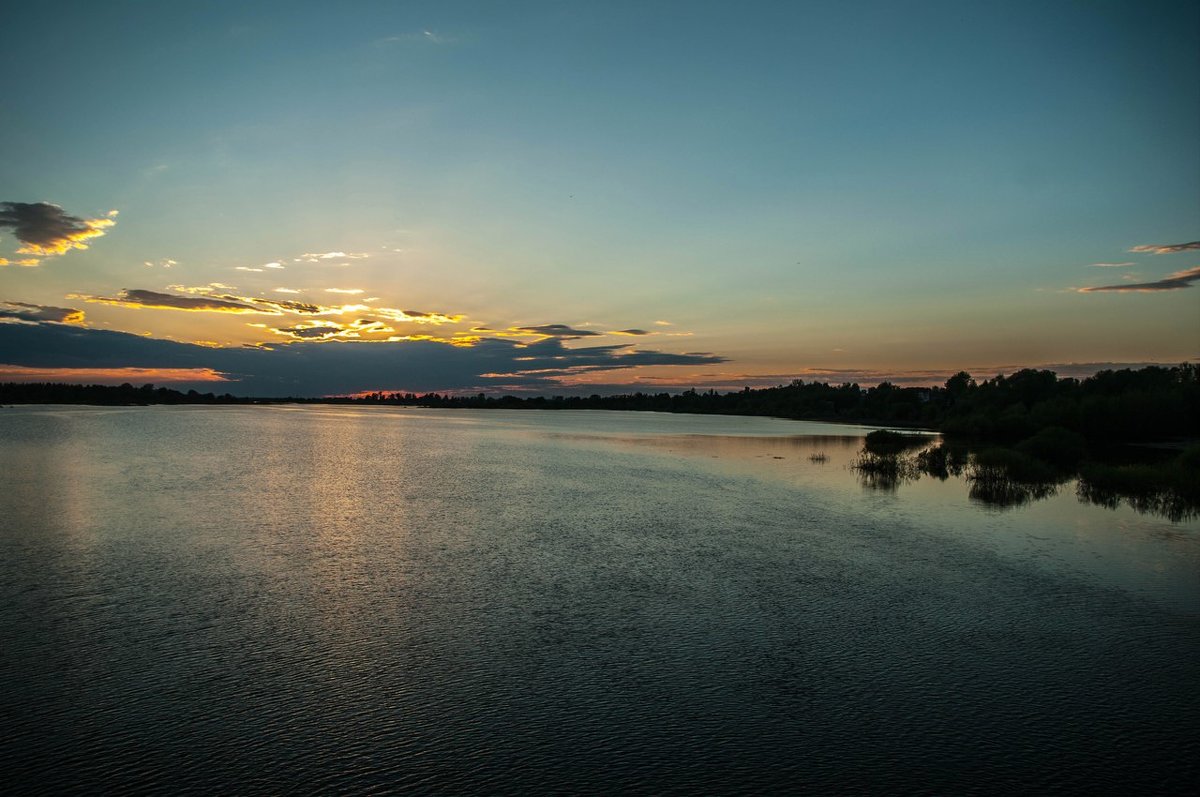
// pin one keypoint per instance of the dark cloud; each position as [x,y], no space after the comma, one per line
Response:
[1166,249]
[317,368]
[210,299]
[1172,282]
[46,229]
[302,308]
[631,332]
[556,331]
[21,311]
[166,301]
[307,333]
[328,330]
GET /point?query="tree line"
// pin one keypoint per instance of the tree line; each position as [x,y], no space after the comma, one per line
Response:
[1146,403]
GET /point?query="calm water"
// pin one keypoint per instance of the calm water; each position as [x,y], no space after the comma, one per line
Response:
[264,599]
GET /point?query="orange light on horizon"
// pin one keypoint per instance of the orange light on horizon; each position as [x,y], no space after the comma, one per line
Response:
[104,376]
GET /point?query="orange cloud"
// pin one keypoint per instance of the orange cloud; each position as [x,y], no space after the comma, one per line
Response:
[25,261]
[104,376]
[46,229]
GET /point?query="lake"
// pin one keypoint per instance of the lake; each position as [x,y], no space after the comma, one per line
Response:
[325,598]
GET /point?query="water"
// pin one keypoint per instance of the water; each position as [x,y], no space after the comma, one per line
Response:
[263,599]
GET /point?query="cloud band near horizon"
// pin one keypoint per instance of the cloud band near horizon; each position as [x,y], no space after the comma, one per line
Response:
[310,368]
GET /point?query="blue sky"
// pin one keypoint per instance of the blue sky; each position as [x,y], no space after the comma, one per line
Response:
[808,190]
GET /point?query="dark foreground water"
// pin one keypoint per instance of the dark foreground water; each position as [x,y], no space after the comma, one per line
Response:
[277,599]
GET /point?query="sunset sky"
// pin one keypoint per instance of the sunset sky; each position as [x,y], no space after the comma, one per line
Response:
[310,198]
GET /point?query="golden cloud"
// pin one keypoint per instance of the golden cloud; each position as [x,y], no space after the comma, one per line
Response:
[45,229]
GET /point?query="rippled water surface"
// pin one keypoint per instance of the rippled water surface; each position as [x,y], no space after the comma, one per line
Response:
[268,599]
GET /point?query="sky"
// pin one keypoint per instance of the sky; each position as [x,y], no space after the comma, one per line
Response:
[573,197]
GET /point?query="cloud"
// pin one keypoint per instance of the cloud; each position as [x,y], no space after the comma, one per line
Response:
[21,311]
[1111,265]
[25,261]
[350,291]
[109,376]
[167,301]
[286,290]
[247,268]
[210,288]
[561,331]
[164,263]
[208,299]
[331,330]
[427,36]
[415,316]
[274,264]
[630,332]
[664,323]
[1171,282]
[45,229]
[300,332]
[314,367]
[1166,249]
[314,257]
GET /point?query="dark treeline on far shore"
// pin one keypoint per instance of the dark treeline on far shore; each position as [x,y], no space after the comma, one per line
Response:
[1145,404]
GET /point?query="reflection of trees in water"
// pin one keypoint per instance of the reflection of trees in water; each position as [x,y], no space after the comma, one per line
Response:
[1007,478]
[1002,492]
[1166,503]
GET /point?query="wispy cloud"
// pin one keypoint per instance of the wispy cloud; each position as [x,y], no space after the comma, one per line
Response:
[415,316]
[561,331]
[1171,282]
[316,257]
[205,290]
[349,291]
[24,261]
[1166,249]
[247,268]
[274,264]
[164,263]
[286,290]
[22,311]
[45,229]
[1111,265]
[427,36]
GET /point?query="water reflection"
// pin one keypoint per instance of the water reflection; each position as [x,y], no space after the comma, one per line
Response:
[1005,493]
[1004,478]
[1164,503]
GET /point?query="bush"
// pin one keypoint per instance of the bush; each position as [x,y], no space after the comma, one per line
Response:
[883,441]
